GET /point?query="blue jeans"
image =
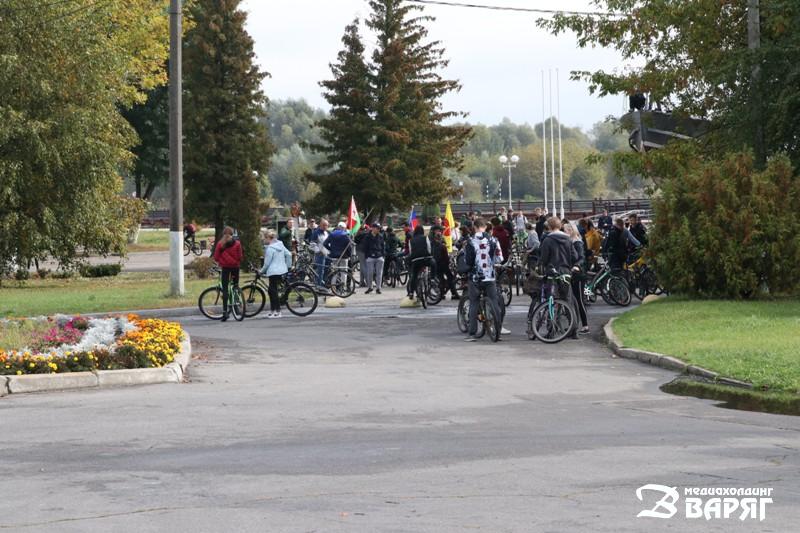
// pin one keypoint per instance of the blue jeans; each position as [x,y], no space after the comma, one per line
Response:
[321,263]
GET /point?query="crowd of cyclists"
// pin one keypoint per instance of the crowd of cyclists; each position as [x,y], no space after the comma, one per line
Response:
[552,258]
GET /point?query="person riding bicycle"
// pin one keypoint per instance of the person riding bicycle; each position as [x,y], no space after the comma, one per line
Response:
[277,261]
[189,232]
[557,256]
[441,257]
[419,256]
[228,255]
[482,254]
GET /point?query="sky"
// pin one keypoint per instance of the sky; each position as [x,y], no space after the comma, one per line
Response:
[497,56]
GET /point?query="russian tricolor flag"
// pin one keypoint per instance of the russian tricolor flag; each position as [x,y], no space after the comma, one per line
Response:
[412,219]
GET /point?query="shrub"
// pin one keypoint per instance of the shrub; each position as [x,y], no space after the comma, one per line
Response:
[202,267]
[42,272]
[21,274]
[725,229]
[63,274]
[100,271]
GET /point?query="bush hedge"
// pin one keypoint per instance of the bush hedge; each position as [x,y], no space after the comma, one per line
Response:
[725,229]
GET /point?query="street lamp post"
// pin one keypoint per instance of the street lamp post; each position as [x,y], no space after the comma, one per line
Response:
[509,164]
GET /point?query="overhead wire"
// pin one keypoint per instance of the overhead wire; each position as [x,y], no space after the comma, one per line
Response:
[517,9]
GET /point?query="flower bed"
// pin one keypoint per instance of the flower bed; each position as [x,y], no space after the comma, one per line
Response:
[76,344]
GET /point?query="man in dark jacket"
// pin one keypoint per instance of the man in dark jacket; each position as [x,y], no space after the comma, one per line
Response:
[541,224]
[447,281]
[375,252]
[557,253]
[338,243]
[638,230]
[604,223]
[362,256]
[615,247]
[420,255]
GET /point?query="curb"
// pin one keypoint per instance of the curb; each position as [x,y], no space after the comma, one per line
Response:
[666,361]
[174,372]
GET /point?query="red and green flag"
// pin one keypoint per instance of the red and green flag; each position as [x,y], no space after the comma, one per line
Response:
[353,219]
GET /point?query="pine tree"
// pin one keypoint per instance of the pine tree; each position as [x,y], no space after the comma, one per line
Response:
[227,147]
[347,132]
[413,145]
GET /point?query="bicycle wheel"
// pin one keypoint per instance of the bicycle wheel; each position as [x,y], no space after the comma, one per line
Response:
[530,329]
[553,322]
[650,281]
[342,283]
[491,322]
[210,303]
[186,248]
[300,299]
[505,286]
[255,298]
[391,275]
[402,272]
[422,290]
[434,292]
[518,276]
[462,316]
[618,291]
[237,305]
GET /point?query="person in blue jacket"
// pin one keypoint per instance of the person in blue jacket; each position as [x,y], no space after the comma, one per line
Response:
[277,261]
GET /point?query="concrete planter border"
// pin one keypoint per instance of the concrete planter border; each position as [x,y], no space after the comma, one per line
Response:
[172,373]
[666,361]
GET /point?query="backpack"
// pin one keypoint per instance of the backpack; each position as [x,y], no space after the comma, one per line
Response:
[462,267]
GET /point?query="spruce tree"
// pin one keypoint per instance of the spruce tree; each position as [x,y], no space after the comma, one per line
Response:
[413,146]
[227,147]
[347,133]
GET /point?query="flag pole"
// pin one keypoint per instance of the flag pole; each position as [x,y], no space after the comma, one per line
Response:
[552,145]
[544,143]
[560,159]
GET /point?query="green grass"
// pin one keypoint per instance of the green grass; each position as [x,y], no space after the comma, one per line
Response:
[757,341]
[152,240]
[125,292]
[17,334]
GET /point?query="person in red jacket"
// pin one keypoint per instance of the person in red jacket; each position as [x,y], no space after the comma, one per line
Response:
[228,255]
[503,236]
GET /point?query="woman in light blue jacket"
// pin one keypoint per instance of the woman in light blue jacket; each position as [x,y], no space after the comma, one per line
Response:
[277,260]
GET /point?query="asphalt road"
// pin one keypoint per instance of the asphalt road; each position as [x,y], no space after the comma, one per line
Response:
[375,419]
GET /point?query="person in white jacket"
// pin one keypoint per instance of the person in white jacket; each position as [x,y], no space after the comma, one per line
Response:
[277,261]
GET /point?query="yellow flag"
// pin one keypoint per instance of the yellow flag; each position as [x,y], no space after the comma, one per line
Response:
[449,224]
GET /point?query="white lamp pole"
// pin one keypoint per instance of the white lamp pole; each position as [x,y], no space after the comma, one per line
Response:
[509,164]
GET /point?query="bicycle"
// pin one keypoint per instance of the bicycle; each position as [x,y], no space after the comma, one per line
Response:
[427,290]
[487,321]
[613,288]
[552,318]
[210,301]
[340,279]
[396,271]
[504,282]
[190,245]
[298,297]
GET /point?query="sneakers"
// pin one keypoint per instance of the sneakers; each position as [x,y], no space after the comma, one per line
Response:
[584,330]
[504,331]
[277,315]
[270,314]
[470,339]
[368,291]
[377,291]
